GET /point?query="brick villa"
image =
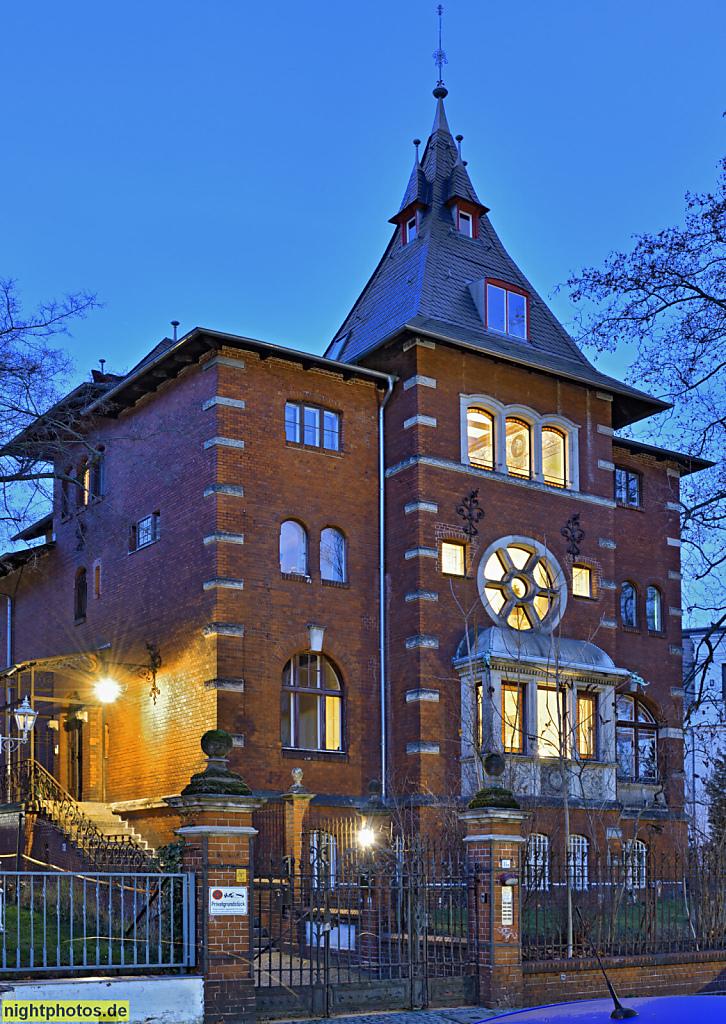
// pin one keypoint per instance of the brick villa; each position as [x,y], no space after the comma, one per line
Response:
[287,546]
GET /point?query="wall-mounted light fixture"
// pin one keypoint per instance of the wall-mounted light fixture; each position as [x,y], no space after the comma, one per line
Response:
[316,637]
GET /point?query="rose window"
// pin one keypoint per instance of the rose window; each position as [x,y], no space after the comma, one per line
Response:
[518,584]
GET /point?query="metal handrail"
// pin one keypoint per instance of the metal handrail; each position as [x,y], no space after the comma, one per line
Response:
[29,782]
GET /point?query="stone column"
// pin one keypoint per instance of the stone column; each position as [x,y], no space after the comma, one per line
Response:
[296,801]
[494,842]
[216,811]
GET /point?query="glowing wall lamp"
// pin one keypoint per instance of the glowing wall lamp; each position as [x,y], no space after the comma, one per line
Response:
[25,720]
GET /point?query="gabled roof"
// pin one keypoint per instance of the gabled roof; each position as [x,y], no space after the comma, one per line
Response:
[424,287]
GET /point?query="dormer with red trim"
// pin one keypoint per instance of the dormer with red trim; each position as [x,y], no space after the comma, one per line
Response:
[465,206]
[415,201]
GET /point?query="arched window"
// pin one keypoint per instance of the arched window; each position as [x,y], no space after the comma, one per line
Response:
[636,740]
[636,854]
[554,468]
[97,485]
[80,595]
[629,605]
[332,555]
[537,862]
[480,438]
[312,704]
[293,548]
[654,609]
[519,448]
[577,861]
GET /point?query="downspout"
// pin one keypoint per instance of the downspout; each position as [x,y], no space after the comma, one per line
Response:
[382,581]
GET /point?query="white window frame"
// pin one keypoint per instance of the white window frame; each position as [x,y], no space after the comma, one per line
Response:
[154,521]
[464,213]
[406,228]
[536,422]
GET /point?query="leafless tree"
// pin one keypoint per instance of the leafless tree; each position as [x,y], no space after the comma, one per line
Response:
[663,303]
[33,372]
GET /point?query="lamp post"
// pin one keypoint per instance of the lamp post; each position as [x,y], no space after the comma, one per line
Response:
[25,719]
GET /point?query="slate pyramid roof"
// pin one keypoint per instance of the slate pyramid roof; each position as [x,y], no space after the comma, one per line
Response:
[424,286]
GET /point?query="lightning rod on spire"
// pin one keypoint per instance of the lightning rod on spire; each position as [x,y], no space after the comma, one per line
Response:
[439,55]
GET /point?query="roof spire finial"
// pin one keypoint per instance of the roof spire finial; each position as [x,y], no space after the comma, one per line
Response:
[417,143]
[440,59]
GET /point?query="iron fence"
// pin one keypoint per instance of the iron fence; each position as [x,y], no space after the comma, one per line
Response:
[633,903]
[61,921]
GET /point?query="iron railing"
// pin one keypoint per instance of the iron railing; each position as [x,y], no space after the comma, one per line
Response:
[28,782]
[62,921]
[633,903]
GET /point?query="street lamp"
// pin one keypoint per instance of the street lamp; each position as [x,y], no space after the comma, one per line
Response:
[25,719]
[366,837]
[107,690]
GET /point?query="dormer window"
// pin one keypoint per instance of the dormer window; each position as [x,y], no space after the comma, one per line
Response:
[410,228]
[465,223]
[507,310]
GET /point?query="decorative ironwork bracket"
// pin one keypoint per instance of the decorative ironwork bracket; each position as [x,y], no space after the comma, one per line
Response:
[468,509]
[573,534]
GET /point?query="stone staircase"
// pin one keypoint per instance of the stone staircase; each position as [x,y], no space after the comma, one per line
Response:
[112,825]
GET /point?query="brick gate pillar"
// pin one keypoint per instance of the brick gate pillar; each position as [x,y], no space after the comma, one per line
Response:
[216,811]
[494,842]
[296,801]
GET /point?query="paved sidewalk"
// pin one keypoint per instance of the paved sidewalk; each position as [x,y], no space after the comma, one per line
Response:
[460,1015]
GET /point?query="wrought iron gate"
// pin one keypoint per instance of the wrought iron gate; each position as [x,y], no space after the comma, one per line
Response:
[345,928]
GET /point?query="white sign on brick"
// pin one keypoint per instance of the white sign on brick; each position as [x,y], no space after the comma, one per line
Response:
[226,900]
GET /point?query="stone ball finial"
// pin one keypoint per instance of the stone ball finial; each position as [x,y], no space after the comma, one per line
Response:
[216,743]
[440,92]
[297,776]
[375,788]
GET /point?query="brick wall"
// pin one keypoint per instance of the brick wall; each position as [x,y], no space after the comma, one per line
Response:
[673,974]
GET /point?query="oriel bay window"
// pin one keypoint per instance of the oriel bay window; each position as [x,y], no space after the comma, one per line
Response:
[586,722]
[551,722]
[512,709]
[312,704]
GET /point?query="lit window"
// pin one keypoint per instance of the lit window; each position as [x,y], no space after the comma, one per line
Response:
[80,596]
[518,587]
[332,555]
[506,311]
[465,223]
[582,581]
[577,861]
[146,531]
[553,457]
[480,437]
[311,426]
[627,487]
[636,740]
[537,862]
[453,558]
[312,704]
[629,605]
[512,704]
[293,548]
[96,579]
[518,448]
[551,722]
[586,722]
[654,609]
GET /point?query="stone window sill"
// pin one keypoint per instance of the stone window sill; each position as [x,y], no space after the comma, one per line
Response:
[299,753]
[340,584]
[297,576]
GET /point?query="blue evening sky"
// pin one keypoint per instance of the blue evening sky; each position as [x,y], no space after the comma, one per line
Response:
[234,165]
